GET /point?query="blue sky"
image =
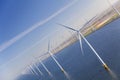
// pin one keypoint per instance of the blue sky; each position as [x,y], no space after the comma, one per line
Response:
[21,14]
[17,16]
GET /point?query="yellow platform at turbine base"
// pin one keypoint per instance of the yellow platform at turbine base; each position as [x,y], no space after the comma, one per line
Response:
[106,67]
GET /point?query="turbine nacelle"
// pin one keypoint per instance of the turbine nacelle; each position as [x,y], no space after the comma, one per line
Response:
[63,70]
[78,35]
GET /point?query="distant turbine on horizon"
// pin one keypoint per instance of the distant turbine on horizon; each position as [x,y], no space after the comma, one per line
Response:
[59,65]
[113,7]
[49,73]
[32,70]
[38,69]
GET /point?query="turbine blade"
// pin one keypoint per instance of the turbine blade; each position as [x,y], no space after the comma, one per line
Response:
[67,27]
[81,46]
[88,21]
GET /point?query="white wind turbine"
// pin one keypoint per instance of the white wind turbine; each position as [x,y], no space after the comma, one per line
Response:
[82,36]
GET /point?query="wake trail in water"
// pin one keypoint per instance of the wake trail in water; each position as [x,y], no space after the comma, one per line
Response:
[67,75]
[62,69]
[113,75]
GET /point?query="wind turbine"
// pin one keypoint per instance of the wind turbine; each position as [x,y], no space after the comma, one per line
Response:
[35,65]
[88,21]
[32,70]
[49,73]
[38,69]
[78,36]
[53,57]
[82,36]
[113,7]
[78,31]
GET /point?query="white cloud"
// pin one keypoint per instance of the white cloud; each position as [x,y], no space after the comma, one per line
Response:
[24,33]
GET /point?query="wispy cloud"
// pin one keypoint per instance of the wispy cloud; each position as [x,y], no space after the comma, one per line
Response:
[24,33]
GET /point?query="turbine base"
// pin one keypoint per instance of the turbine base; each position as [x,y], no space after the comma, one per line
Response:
[106,67]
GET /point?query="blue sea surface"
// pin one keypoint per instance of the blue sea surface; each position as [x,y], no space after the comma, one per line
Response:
[106,42]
